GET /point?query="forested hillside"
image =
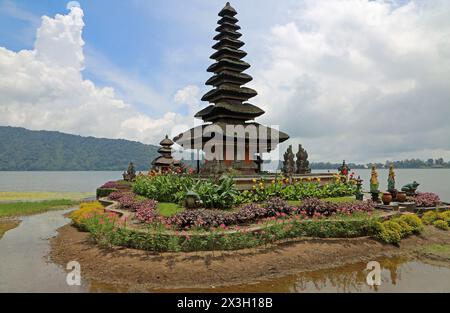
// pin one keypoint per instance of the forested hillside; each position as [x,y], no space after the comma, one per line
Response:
[26,150]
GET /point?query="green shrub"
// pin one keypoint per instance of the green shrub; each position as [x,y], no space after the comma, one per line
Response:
[104,192]
[173,188]
[441,224]
[429,217]
[298,190]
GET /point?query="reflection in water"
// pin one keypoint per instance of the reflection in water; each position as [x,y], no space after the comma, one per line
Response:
[398,274]
[350,278]
[24,267]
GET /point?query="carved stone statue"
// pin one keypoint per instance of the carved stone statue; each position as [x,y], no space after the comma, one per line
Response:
[391,181]
[343,171]
[411,188]
[192,200]
[130,174]
[374,184]
[302,161]
[288,163]
[359,194]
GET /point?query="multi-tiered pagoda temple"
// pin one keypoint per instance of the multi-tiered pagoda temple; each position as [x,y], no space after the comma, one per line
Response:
[228,107]
[165,161]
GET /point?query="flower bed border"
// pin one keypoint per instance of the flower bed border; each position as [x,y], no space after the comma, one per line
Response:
[114,206]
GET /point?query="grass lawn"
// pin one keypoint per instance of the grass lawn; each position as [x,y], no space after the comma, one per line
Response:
[29,208]
[6,196]
[437,249]
[6,225]
[334,200]
[168,209]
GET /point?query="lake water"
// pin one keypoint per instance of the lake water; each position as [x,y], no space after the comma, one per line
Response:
[86,181]
[435,180]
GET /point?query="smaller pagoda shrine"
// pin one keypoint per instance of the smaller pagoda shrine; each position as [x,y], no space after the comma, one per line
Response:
[165,161]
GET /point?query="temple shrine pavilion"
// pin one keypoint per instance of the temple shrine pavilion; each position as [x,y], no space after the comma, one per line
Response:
[165,161]
[228,106]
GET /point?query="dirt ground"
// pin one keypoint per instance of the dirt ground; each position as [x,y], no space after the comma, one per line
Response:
[7,224]
[143,270]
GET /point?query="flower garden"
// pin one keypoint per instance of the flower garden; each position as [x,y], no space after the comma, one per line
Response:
[149,214]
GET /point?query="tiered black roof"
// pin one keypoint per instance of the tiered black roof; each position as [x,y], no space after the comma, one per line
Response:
[228,96]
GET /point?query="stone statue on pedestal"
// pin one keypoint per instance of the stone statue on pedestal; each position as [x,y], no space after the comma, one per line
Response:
[302,161]
[288,163]
[391,182]
[130,174]
[343,172]
[374,184]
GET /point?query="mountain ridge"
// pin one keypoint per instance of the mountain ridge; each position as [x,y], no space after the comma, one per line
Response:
[22,149]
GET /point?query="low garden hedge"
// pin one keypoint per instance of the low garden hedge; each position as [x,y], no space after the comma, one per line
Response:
[108,230]
[104,192]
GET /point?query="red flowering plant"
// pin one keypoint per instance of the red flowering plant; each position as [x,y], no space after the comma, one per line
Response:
[355,207]
[426,199]
[317,208]
[110,185]
[146,211]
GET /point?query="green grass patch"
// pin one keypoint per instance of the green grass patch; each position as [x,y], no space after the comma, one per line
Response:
[6,196]
[437,249]
[7,225]
[333,200]
[29,208]
[167,209]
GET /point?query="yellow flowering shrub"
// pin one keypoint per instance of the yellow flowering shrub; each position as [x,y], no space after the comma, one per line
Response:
[429,217]
[86,210]
[441,224]
[445,216]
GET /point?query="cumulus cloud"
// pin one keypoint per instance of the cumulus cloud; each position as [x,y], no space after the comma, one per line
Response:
[189,96]
[361,80]
[44,88]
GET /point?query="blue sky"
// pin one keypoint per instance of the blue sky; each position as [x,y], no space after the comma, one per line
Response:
[165,44]
[351,79]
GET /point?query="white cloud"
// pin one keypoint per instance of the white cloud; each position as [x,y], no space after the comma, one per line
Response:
[44,88]
[360,80]
[189,96]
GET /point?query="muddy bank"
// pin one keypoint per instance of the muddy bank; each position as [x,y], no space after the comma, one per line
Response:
[7,224]
[143,270]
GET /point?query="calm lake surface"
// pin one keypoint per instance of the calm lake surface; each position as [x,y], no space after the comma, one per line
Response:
[55,181]
[434,180]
